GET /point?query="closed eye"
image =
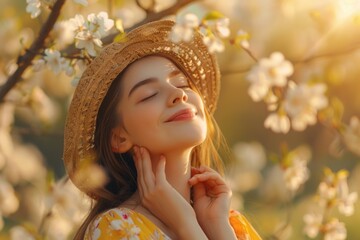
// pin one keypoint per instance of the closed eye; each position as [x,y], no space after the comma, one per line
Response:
[144,99]
[184,87]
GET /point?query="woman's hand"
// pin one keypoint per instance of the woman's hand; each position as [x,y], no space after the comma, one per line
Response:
[211,202]
[162,200]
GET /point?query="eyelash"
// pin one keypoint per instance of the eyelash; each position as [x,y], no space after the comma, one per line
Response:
[153,95]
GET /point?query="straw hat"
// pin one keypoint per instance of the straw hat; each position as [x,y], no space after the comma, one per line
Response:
[193,58]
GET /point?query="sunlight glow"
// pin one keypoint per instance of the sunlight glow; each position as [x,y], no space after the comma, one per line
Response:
[348,8]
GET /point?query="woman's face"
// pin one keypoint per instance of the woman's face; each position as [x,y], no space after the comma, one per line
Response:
[158,109]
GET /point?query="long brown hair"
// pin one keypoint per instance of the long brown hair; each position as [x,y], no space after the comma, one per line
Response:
[121,169]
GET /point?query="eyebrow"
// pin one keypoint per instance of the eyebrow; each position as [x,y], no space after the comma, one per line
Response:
[151,80]
[141,83]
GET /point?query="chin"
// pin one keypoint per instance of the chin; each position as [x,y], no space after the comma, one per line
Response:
[192,140]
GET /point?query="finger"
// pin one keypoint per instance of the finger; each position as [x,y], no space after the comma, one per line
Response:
[145,161]
[136,161]
[140,181]
[203,168]
[194,171]
[160,170]
[198,191]
[209,178]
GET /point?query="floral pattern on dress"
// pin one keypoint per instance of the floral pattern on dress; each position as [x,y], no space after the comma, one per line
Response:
[127,224]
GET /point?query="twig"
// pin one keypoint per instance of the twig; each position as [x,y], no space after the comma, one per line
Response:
[149,18]
[250,54]
[301,61]
[329,54]
[232,72]
[110,8]
[24,61]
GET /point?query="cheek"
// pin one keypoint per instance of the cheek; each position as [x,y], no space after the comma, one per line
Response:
[140,123]
[196,100]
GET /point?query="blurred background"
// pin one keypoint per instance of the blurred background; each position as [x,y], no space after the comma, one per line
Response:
[320,38]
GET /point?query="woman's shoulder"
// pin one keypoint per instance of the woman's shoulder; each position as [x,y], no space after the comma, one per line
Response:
[242,227]
[122,223]
[113,221]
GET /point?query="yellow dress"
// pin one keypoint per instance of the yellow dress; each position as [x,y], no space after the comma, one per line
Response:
[126,224]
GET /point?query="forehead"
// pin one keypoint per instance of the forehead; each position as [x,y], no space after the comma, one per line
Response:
[149,66]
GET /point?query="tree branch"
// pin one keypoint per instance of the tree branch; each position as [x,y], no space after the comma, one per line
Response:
[151,16]
[25,60]
[329,54]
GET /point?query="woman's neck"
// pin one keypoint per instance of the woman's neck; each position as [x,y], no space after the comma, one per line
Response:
[177,170]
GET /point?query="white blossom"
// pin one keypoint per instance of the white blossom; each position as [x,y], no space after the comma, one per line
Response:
[250,155]
[326,192]
[20,233]
[9,203]
[69,69]
[58,227]
[54,60]
[313,223]
[6,141]
[127,17]
[25,164]
[67,201]
[214,44]
[63,33]
[346,204]
[81,2]
[352,135]
[259,84]
[278,123]
[219,27]
[44,108]
[269,72]
[88,41]
[38,64]
[346,199]
[100,24]
[183,30]
[213,32]
[335,230]
[75,81]
[302,102]
[96,234]
[296,174]
[242,38]
[33,7]
[88,33]
[77,23]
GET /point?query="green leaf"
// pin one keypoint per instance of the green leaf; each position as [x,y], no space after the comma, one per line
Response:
[119,25]
[338,108]
[213,15]
[121,37]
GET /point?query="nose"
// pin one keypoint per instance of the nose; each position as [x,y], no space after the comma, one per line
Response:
[177,95]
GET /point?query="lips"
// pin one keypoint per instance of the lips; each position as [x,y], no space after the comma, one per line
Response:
[181,115]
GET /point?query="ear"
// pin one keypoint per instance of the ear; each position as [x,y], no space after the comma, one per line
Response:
[120,141]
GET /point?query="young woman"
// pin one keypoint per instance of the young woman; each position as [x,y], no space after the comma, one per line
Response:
[143,112]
